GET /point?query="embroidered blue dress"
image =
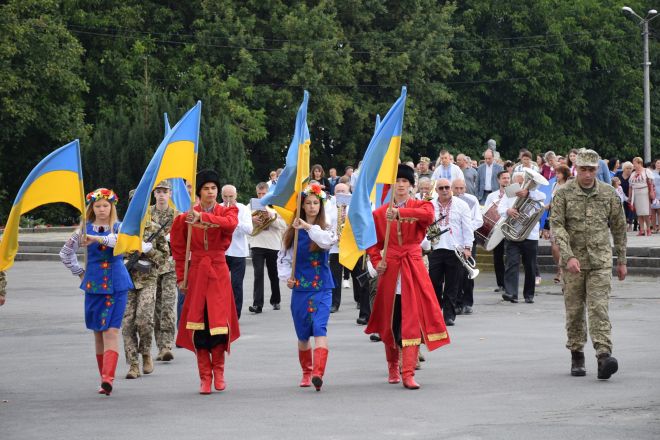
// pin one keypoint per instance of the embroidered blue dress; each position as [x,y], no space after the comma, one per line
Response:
[311,297]
[106,284]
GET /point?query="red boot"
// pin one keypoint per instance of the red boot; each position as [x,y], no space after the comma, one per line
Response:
[409,362]
[99,362]
[108,372]
[392,355]
[218,363]
[320,359]
[205,371]
[305,358]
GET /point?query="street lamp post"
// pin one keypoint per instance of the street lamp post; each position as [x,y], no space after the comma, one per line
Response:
[652,14]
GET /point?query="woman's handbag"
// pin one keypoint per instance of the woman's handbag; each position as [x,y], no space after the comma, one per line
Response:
[651,186]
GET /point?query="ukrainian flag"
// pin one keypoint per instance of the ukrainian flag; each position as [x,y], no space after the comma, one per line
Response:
[284,195]
[57,178]
[180,200]
[175,157]
[379,166]
[381,193]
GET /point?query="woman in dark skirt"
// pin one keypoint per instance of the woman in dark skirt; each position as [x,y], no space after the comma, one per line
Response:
[105,279]
[311,283]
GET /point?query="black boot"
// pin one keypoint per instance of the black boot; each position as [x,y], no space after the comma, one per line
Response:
[577,364]
[607,366]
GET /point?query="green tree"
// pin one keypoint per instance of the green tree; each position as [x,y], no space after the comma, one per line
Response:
[41,89]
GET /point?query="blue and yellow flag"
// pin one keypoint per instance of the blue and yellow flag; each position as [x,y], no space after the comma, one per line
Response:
[381,193]
[175,157]
[379,166]
[284,195]
[180,200]
[57,178]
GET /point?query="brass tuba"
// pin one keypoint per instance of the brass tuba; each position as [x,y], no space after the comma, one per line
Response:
[266,221]
[529,213]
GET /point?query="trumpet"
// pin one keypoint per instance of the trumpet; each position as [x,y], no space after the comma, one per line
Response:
[468,262]
[266,221]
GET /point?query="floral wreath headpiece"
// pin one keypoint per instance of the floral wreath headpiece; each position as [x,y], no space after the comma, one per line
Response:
[102,193]
[315,190]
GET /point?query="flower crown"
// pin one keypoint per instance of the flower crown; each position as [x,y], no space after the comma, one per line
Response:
[102,193]
[314,189]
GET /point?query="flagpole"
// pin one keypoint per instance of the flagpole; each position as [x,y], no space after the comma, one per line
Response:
[83,220]
[295,235]
[389,222]
[192,205]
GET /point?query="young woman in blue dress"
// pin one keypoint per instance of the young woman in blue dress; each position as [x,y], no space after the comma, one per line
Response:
[105,279]
[312,282]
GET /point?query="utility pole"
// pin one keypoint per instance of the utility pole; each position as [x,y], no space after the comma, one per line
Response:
[652,14]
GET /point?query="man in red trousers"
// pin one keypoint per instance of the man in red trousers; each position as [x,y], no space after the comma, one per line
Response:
[406,311]
[209,322]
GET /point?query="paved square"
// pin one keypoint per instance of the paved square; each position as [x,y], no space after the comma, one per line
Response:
[505,375]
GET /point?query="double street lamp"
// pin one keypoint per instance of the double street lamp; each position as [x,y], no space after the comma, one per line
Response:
[651,15]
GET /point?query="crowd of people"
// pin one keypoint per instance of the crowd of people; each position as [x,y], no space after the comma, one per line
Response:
[408,288]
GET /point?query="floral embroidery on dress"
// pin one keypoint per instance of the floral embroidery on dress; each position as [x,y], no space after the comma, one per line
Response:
[316,282]
[109,301]
[311,308]
[105,284]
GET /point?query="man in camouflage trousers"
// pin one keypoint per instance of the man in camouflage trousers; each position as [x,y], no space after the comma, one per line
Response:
[166,291]
[138,322]
[583,212]
[3,287]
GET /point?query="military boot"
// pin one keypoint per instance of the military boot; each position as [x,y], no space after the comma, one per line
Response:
[165,355]
[133,371]
[577,364]
[607,366]
[147,364]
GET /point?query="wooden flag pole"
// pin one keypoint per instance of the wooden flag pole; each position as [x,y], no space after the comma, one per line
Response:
[295,235]
[387,229]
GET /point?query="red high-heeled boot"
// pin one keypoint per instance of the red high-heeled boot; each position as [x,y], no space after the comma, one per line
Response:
[205,371]
[99,362]
[108,372]
[392,356]
[408,368]
[305,358]
[218,364]
[320,359]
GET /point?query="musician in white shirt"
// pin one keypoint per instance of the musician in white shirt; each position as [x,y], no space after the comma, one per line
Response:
[445,269]
[238,251]
[264,247]
[504,179]
[465,300]
[526,248]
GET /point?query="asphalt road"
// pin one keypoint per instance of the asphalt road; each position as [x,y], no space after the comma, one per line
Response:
[505,375]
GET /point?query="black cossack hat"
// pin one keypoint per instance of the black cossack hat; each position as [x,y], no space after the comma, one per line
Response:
[206,176]
[405,172]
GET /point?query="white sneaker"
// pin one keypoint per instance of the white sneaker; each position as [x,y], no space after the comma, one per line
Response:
[346,284]
[538,281]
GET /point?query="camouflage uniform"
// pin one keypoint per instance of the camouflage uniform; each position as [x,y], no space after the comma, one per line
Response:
[166,291]
[579,220]
[3,284]
[139,315]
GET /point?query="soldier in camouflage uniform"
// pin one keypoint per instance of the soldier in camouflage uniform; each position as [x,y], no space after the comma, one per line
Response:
[138,322]
[583,212]
[3,287]
[166,291]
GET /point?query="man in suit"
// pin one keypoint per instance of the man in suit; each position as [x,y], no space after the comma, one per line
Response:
[487,172]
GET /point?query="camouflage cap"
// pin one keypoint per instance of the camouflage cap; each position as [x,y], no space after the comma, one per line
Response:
[587,158]
[165,184]
[424,159]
